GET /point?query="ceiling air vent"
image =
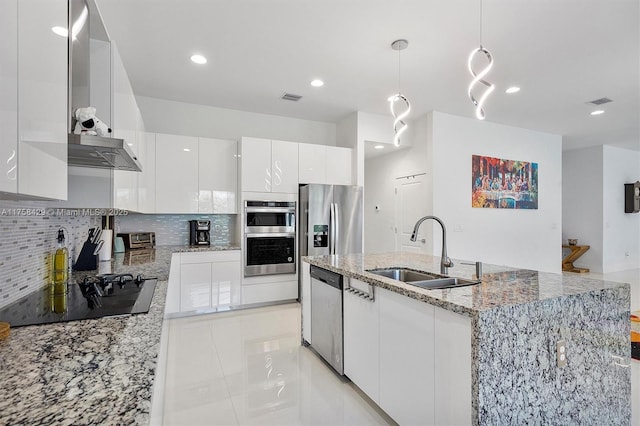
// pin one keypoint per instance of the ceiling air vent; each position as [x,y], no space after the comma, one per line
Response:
[291,97]
[600,101]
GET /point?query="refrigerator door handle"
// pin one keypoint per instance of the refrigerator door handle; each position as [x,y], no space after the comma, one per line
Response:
[332,227]
[336,232]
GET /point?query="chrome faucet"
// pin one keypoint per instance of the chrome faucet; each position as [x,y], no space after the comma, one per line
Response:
[445,262]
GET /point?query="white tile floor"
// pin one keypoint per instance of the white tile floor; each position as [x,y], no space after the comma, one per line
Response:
[248,368]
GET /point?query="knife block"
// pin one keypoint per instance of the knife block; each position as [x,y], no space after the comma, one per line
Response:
[87,261]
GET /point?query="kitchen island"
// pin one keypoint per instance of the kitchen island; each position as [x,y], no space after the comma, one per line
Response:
[98,371]
[486,353]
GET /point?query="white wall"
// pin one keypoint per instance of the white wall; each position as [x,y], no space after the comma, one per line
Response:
[621,230]
[593,207]
[347,137]
[373,128]
[380,177]
[521,238]
[164,116]
[582,177]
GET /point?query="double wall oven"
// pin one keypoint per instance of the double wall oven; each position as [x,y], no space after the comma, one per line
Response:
[270,237]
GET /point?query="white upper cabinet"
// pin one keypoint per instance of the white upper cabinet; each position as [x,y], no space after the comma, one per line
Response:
[192,175]
[218,176]
[325,164]
[9,98]
[147,177]
[127,124]
[269,166]
[339,165]
[125,190]
[125,113]
[176,174]
[312,163]
[256,164]
[284,167]
[34,154]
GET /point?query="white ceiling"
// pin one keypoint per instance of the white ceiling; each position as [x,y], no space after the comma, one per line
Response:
[563,53]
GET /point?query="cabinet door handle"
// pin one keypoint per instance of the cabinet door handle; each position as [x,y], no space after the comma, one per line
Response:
[267,179]
[363,294]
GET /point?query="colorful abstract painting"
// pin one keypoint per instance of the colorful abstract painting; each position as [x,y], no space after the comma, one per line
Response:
[503,184]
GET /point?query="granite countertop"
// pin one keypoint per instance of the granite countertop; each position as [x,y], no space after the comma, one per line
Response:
[500,286]
[98,371]
[148,262]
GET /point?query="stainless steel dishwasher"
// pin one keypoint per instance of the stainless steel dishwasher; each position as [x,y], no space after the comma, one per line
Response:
[326,316]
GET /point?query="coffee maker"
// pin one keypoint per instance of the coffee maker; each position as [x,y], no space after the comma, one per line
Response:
[200,232]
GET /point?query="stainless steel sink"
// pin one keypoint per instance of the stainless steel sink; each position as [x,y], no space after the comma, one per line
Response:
[421,279]
[404,274]
[440,283]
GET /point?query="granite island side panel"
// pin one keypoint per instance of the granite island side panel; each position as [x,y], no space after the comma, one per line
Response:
[517,317]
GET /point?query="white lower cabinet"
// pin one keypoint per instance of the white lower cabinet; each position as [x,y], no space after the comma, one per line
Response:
[406,358]
[278,288]
[452,351]
[195,288]
[209,279]
[361,340]
[412,358]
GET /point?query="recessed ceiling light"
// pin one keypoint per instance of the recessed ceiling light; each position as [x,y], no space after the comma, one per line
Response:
[317,83]
[186,150]
[597,112]
[198,59]
[512,89]
[61,31]
[379,147]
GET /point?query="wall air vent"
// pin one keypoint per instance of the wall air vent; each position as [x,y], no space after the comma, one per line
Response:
[600,101]
[291,97]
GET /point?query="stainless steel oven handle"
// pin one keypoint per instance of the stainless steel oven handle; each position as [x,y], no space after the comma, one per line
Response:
[269,210]
[272,234]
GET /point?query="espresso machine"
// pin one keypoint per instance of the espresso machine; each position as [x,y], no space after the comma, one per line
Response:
[200,232]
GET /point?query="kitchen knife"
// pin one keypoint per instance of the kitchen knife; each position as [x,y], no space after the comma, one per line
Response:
[98,247]
[96,236]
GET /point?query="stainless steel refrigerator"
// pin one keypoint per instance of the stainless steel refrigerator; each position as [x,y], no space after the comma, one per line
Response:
[330,220]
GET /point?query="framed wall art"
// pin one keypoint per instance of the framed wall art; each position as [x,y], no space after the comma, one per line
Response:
[498,183]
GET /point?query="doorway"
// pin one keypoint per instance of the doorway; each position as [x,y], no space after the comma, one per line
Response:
[411,205]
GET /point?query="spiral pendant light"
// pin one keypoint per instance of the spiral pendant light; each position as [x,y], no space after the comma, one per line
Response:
[478,77]
[398,103]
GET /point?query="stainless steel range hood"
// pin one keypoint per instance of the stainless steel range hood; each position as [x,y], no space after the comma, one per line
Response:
[101,152]
[86,150]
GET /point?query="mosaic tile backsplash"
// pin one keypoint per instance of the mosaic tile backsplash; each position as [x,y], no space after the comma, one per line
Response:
[173,229]
[28,237]
[28,232]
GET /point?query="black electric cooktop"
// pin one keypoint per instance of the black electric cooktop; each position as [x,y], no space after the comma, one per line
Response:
[92,297]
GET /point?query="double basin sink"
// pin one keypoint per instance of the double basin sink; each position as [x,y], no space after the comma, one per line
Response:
[424,280]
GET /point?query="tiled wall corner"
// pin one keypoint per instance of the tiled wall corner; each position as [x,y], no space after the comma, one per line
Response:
[173,229]
[28,239]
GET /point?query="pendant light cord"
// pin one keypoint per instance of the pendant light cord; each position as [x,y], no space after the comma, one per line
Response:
[399,70]
[480,23]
